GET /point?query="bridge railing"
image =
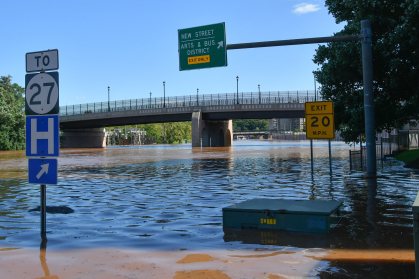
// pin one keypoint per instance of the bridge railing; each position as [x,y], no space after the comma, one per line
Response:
[220,99]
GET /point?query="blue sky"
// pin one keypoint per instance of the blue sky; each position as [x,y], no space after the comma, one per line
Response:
[132,46]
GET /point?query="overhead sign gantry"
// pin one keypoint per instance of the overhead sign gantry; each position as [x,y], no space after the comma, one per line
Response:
[199,61]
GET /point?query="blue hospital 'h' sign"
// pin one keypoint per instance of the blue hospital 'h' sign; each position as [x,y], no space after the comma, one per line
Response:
[42,136]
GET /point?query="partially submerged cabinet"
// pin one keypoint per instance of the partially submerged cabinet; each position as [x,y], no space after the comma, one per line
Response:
[305,216]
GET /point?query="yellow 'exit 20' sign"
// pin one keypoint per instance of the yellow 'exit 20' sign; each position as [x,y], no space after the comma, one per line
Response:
[319,120]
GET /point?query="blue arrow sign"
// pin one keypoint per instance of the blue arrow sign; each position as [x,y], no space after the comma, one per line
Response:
[42,136]
[43,171]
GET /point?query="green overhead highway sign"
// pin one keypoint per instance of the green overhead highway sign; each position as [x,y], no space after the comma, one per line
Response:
[202,47]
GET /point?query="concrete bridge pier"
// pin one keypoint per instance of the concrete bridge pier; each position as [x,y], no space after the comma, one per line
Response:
[84,138]
[210,133]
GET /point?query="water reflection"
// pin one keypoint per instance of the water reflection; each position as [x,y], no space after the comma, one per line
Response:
[281,238]
[42,258]
[171,197]
[371,213]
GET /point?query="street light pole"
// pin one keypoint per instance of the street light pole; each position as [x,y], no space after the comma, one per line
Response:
[109,99]
[368,98]
[259,92]
[164,94]
[197,102]
[311,141]
[164,105]
[237,89]
[150,99]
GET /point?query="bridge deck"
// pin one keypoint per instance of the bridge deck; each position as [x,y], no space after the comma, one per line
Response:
[216,113]
[213,109]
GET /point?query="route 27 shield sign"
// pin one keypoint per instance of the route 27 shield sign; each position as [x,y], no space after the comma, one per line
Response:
[42,93]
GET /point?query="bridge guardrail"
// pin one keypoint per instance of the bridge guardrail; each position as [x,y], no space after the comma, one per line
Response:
[272,97]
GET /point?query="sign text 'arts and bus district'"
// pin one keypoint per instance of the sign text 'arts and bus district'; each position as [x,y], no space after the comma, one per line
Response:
[202,47]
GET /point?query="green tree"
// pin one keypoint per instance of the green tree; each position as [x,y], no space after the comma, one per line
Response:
[174,132]
[395,53]
[12,115]
[187,130]
[154,130]
[250,125]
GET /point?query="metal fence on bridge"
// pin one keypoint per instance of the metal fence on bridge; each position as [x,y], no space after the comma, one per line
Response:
[271,97]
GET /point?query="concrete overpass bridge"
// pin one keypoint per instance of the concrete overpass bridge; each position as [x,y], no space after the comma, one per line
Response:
[210,115]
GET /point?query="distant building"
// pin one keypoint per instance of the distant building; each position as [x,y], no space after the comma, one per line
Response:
[273,124]
[286,124]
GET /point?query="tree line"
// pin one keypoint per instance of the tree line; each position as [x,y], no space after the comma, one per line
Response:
[176,132]
[12,115]
[395,55]
[250,125]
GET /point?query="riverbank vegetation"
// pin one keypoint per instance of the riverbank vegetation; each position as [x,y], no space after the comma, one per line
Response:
[250,125]
[395,54]
[408,156]
[12,115]
[176,132]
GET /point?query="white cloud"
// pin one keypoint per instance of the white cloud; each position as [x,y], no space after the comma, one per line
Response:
[84,97]
[304,8]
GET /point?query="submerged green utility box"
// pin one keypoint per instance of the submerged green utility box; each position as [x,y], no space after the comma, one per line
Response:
[305,216]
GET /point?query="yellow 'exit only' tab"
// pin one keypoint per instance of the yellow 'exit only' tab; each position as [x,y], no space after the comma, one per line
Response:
[319,107]
[198,59]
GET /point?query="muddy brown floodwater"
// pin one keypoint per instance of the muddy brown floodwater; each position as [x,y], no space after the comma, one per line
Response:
[155,212]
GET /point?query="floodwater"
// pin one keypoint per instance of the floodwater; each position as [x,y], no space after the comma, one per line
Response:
[156,212]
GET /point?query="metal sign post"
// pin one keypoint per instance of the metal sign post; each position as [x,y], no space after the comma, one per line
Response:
[42,123]
[311,153]
[320,125]
[368,98]
[311,141]
[43,208]
[330,157]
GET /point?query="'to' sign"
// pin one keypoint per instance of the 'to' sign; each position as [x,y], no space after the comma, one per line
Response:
[42,94]
[319,120]
[42,61]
